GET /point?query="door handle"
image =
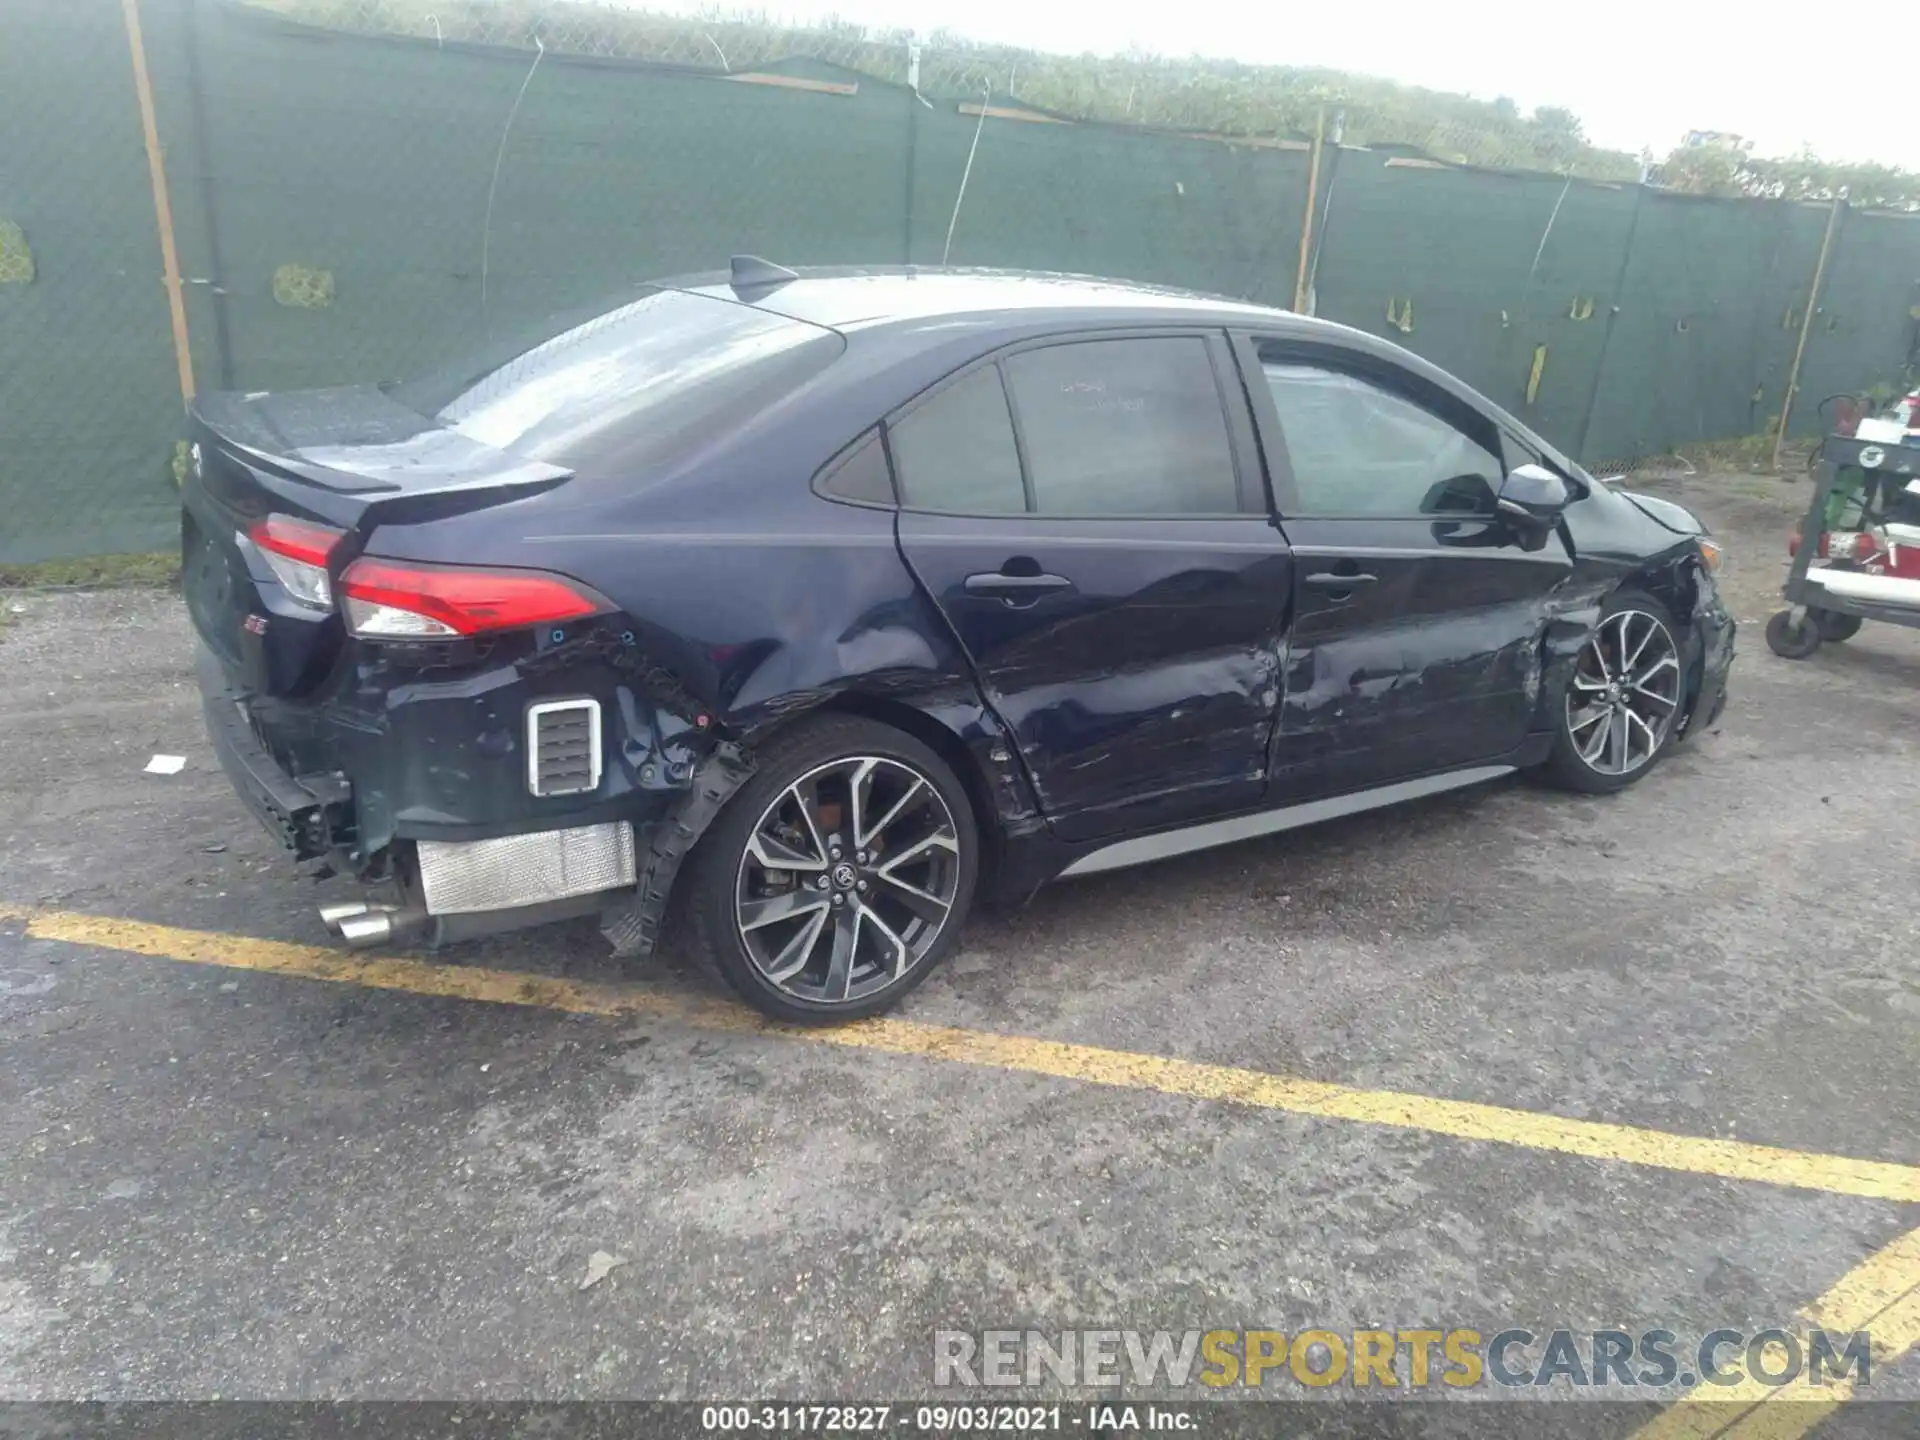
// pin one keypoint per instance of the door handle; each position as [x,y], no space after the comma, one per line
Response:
[1015,589]
[1328,580]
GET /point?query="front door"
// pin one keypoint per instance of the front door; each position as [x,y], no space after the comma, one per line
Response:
[1087,516]
[1419,620]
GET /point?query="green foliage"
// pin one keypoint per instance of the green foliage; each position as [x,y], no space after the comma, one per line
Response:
[94,572]
[1752,454]
[1705,170]
[1559,124]
[302,287]
[16,259]
[1720,169]
[1215,96]
[1746,452]
[1212,95]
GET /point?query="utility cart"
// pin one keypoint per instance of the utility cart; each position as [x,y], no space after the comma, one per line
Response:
[1856,555]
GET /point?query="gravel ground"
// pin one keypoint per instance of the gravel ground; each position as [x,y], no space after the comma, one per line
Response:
[222,1183]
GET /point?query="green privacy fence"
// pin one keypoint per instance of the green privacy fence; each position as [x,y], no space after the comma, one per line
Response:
[89,404]
[345,210]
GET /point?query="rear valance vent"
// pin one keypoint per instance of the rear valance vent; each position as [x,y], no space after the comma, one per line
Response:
[563,747]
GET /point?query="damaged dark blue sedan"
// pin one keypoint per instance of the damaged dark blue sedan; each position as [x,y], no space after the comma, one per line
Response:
[816,606]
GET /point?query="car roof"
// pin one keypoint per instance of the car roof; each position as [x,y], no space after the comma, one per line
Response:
[848,298]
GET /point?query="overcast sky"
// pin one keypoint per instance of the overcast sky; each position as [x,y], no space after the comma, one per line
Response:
[1637,72]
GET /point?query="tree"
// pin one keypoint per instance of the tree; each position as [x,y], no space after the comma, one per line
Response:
[1557,123]
[1714,167]
[1708,169]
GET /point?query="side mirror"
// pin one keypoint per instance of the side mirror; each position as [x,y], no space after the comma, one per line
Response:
[1531,501]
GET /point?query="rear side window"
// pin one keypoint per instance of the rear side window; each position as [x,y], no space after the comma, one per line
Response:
[956,451]
[642,382]
[1359,449]
[860,474]
[1124,427]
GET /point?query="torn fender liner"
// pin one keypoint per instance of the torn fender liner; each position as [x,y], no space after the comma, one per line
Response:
[634,929]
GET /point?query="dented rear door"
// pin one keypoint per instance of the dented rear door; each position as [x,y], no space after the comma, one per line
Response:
[1109,571]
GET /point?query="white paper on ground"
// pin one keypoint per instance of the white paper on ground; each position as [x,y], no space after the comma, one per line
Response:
[166,765]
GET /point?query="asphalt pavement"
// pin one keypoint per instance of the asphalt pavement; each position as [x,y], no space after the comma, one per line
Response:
[220,1177]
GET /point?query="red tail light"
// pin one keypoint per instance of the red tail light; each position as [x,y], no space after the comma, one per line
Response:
[296,551]
[387,599]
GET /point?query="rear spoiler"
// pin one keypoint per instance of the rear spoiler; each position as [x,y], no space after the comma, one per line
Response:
[341,454]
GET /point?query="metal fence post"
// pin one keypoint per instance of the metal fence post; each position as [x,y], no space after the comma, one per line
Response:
[162,201]
[215,280]
[1613,315]
[1306,218]
[913,148]
[1806,325]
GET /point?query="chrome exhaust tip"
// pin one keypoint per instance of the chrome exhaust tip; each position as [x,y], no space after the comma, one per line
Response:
[333,915]
[366,929]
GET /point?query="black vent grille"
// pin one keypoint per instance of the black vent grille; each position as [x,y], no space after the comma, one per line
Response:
[564,742]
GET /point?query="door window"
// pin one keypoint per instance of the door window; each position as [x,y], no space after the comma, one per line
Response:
[956,451]
[1124,427]
[1359,449]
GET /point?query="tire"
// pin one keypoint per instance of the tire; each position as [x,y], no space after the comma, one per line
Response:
[1591,761]
[1790,641]
[1836,628]
[767,859]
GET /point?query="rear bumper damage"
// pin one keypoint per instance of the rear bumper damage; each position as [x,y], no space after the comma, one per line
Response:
[429,804]
[312,815]
[441,754]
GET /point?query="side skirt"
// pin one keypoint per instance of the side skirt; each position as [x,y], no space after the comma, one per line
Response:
[1168,843]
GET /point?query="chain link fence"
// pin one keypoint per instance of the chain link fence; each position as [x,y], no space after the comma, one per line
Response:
[604,32]
[1209,96]
[89,405]
[364,189]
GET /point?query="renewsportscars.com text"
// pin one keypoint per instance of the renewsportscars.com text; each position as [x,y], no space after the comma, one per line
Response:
[1414,1359]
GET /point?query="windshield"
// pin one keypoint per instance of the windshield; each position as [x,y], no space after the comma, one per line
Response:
[645,377]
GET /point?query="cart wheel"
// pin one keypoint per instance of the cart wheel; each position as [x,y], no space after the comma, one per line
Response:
[1790,641]
[1835,627]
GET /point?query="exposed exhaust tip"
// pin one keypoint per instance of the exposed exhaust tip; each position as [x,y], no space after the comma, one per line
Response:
[332,915]
[363,930]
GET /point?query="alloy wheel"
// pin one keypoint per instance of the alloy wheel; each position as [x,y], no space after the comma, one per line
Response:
[1625,693]
[848,878]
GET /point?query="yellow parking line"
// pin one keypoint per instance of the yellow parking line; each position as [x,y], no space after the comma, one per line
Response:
[1090,1064]
[309,962]
[1881,1296]
[1457,1118]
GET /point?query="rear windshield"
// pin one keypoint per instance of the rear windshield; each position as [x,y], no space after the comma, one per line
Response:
[639,381]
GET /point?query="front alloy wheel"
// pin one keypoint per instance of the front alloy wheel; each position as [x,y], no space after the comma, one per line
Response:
[1623,699]
[1625,694]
